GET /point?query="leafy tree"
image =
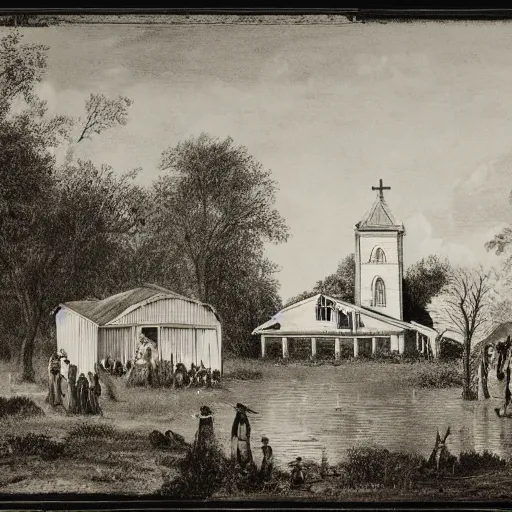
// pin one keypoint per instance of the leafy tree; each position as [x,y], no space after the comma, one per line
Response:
[213,195]
[103,113]
[56,223]
[22,66]
[341,284]
[422,282]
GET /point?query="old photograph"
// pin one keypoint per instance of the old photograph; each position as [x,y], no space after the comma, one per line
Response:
[255,257]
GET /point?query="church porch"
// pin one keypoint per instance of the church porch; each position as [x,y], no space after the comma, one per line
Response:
[321,346]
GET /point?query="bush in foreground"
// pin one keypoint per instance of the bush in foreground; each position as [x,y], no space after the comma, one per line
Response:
[19,406]
[375,466]
[473,462]
[34,444]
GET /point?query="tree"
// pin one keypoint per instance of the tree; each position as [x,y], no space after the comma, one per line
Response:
[43,245]
[22,66]
[422,282]
[103,113]
[341,284]
[214,195]
[463,307]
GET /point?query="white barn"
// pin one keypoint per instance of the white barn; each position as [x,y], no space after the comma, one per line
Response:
[184,330]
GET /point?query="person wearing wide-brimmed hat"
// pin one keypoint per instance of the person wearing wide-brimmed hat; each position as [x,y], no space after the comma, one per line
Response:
[241,437]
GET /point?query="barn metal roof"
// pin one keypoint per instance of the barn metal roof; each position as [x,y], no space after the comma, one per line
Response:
[102,312]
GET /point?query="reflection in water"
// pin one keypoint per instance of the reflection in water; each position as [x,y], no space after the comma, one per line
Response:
[300,419]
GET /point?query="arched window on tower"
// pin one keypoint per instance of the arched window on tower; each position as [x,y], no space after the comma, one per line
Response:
[324,309]
[379,293]
[378,255]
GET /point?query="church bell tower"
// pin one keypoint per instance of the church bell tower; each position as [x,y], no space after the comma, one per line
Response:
[379,259]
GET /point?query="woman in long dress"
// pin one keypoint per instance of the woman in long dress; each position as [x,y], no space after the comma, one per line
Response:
[55,397]
[241,437]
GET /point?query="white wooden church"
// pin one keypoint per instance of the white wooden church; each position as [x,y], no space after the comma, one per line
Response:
[375,321]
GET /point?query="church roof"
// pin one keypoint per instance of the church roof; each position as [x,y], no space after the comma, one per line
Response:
[379,218]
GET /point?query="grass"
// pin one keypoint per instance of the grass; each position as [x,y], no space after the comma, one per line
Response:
[244,374]
[409,372]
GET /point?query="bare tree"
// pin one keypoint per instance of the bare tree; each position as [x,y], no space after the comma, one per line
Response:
[465,308]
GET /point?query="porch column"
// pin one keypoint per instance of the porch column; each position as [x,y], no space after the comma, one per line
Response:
[337,348]
[374,345]
[313,347]
[394,343]
[401,343]
[262,346]
[422,344]
[356,347]
[285,348]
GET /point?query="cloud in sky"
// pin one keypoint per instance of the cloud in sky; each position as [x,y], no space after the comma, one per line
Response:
[329,110]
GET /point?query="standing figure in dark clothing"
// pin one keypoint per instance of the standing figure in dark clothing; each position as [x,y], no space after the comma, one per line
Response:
[268,460]
[82,391]
[94,393]
[241,437]
[71,402]
[205,436]
[55,397]
[503,349]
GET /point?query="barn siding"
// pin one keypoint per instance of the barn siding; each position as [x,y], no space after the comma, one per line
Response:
[78,337]
[169,311]
[190,345]
[120,343]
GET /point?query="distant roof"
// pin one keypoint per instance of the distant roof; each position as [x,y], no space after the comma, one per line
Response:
[413,326]
[497,333]
[102,312]
[379,217]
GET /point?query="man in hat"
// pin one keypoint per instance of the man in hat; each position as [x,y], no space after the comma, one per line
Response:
[241,437]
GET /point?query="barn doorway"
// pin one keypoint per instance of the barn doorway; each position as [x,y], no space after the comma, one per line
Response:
[150,333]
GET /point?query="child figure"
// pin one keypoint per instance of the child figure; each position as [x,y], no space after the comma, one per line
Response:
[267,462]
[297,475]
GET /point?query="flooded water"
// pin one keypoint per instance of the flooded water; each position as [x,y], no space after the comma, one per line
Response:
[300,418]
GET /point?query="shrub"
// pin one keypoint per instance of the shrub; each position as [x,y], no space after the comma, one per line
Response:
[450,350]
[391,356]
[201,475]
[437,375]
[245,374]
[19,405]
[472,462]
[35,444]
[367,466]
[86,431]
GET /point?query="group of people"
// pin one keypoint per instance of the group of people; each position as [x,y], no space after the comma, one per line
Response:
[241,453]
[198,375]
[115,367]
[77,395]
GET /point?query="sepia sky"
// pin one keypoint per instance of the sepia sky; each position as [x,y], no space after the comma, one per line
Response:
[329,109]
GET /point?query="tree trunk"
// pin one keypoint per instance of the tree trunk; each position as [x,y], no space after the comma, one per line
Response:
[467,392]
[27,353]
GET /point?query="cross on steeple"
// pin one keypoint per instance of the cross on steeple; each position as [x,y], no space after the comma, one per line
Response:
[381,189]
